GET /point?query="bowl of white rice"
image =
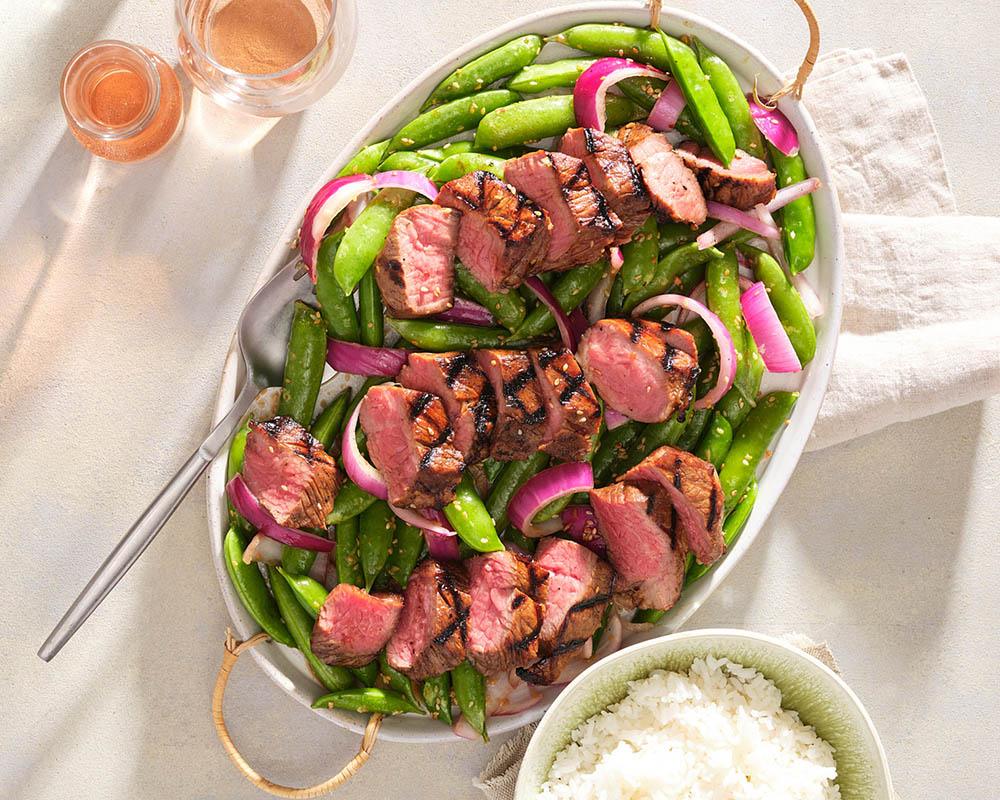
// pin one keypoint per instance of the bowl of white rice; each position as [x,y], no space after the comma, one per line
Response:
[706,715]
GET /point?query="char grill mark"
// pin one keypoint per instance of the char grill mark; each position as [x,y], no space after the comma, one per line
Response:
[574,414]
[419,404]
[521,414]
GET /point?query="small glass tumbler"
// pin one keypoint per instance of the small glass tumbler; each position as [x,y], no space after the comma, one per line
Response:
[268,58]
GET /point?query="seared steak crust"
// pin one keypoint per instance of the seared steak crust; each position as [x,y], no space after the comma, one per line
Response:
[521,414]
[573,410]
[745,183]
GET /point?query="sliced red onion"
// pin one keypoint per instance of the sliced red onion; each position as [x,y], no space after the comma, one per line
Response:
[617,260]
[775,127]
[359,359]
[521,699]
[578,323]
[814,306]
[781,198]
[467,312]
[318,569]
[246,506]
[698,295]
[742,219]
[668,108]
[402,179]
[264,550]
[562,320]
[592,87]
[327,203]
[745,283]
[727,350]
[541,489]
[614,419]
[580,522]
[429,521]
[357,466]
[762,321]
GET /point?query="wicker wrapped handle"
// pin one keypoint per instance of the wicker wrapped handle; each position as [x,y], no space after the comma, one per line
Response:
[805,68]
[234,648]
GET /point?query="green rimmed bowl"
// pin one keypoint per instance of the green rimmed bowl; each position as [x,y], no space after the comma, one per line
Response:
[817,693]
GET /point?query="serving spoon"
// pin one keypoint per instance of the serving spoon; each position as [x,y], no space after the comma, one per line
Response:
[261,335]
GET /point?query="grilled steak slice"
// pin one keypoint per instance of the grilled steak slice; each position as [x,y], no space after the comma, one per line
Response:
[521,415]
[637,368]
[693,488]
[614,174]
[430,637]
[644,545]
[290,473]
[573,411]
[576,595]
[672,186]
[353,626]
[582,222]
[502,234]
[743,185]
[416,268]
[505,619]
[467,395]
[410,443]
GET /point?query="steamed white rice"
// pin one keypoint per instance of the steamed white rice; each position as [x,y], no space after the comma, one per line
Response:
[717,732]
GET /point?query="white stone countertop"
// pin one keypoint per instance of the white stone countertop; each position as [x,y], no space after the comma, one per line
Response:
[119,291]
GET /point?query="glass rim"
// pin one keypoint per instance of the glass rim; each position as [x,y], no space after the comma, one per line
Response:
[182,18]
[110,133]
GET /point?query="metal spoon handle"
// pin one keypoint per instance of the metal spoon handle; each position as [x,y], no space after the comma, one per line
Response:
[139,536]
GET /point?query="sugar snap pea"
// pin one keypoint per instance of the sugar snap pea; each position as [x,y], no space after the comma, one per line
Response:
[731,529]
[653,436]
[252,590]
[704,342]
[437,697]
[488,68]
[235,464]
[404,553]
[613,450]
[539,77]
[787,304]
[699,419]
[447,149]
[492,468]
[440,337]
[798,218]
[616,297]
[444,121]
[674,234]
[540,117]
[370,311]
[508,482]
[514,536]
[304,363]
[327,423]
[366,160]
[336,307]
[368,701]
[689,126]
[722,290]
[296,561]
[731,99]
[570,289]
[701,98]
[751,441]
[468,516]
[463,163]
[716,440]
[364,239]
[642,90]
[669,269]
[470,694]
[396,680]
[310,593]
[409,161]
[351,500]
[300,625]
[623,41]
[348,559]
[507,307]
[640,256]
[366,675]
[377,528]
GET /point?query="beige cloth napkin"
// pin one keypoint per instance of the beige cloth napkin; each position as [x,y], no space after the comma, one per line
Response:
[498,779]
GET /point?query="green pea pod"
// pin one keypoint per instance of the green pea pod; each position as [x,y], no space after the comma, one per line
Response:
[348,559]
[351,500]
[798,218]
[541,117]
[446,150]
[666,276]
[440,337]
[488,68]
[688,126]
[616,297]
[599,633]
[366,675]
[613,451]
[300,625]
[304,365]
[444,121]
[570,290]
[555,507]
[311,594]
[492,469]
[325,426]
[235,464]
[336,307]
[722,291]
[252,590]
[437,697]
[514,536]
[539,77]
[409,161]
[366,160]
[787,304]
[378,526]
[370,311]
[470,694]
[716,441]
[654,436]
[463,163]
[368,384]
[647,615]
[396,680]
[468,516]
[364,239]
[701,98]
[731,529]
[731,99]
[404,553]
[507,307]
[368,701]
[750,442]
[734,407]
[640,256]
[508,482]
[704,341]
[296,561]
[695,428]
[622,41]
[674,234]
[642,91]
